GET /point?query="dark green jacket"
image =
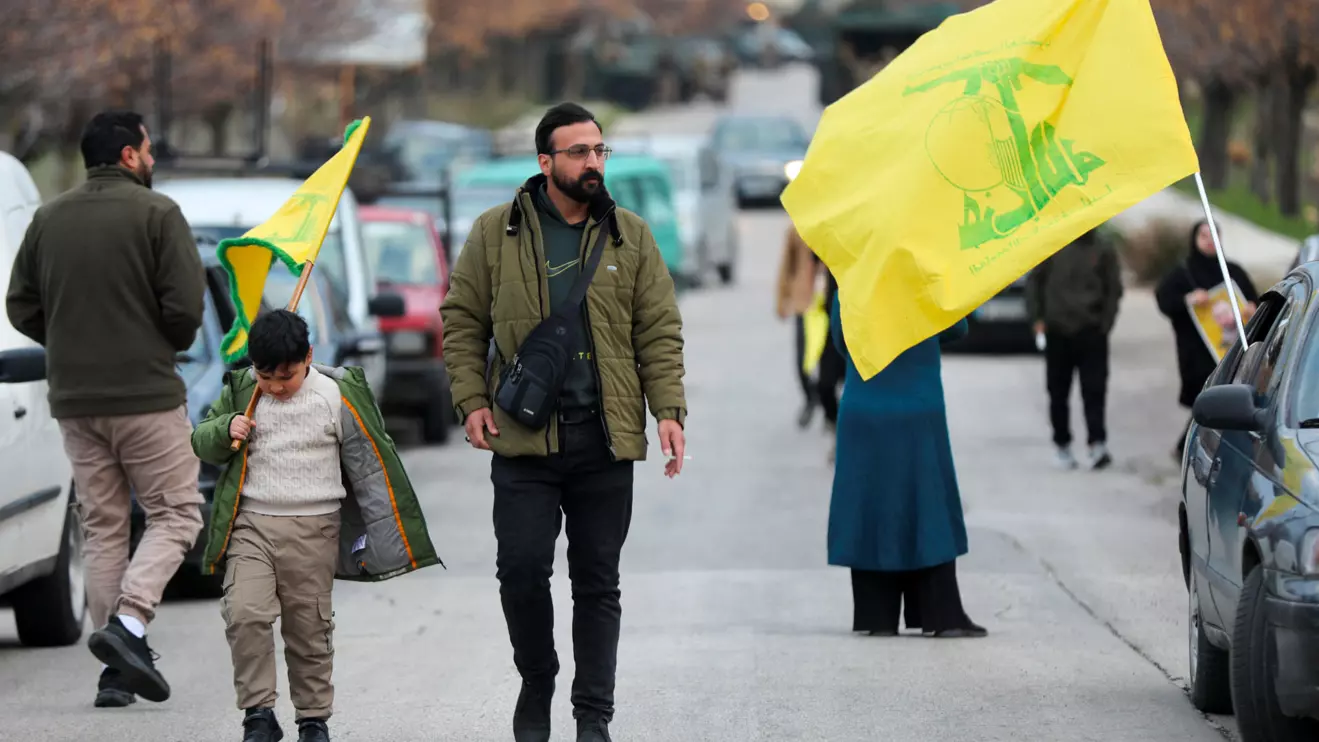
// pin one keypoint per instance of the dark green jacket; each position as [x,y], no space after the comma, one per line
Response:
[109,279]
[1077,288]
[381,504]
[499,289]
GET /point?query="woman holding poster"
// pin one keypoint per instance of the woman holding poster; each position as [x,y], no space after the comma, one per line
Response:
[1195,300]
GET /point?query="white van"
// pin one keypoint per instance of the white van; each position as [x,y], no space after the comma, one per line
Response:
[223,208]
[41,574]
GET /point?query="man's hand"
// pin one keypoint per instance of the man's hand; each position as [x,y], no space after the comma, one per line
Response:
[1199,297]
[674,445]
[477,424]
[240,427]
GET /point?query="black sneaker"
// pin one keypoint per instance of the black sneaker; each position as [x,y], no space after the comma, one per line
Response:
[531,716]
[593,729]
[260,725]
[116,646]
[313,730]
[111,691]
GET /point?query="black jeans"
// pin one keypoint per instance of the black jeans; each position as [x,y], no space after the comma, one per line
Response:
[533,497]
[1083,354]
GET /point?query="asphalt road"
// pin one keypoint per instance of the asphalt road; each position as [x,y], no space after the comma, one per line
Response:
[734,628]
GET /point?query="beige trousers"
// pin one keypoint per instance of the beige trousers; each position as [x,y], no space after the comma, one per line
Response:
[282,567]
[152,454]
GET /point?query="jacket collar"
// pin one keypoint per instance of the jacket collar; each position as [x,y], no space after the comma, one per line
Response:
[113,173]
[601,208]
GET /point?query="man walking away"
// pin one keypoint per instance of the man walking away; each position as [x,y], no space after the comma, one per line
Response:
[799,273]
[624,349]
[109,279]
[1073,299]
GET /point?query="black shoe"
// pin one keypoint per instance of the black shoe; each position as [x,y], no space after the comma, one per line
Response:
[968,631]
[531,716]
[260,725]
[313,730]
[806,415]
[116,646]
[111,691]
[593,729]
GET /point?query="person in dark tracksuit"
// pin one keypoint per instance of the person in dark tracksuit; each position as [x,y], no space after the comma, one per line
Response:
[1073,299]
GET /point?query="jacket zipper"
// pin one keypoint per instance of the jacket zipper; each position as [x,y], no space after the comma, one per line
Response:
[590,336]
[540,301]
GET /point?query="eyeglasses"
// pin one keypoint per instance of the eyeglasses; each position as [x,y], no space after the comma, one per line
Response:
[582,151]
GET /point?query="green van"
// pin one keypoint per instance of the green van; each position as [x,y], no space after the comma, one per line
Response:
[638,183]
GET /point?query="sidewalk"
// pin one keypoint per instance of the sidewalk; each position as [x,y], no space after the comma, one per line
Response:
[1265,255]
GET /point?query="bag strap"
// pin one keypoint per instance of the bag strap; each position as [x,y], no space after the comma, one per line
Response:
[578,292]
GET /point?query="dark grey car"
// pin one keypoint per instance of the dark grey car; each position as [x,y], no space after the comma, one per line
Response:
[763,152]
[1250,523]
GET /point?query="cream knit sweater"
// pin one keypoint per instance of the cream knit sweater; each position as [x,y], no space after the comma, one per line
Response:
[293,460]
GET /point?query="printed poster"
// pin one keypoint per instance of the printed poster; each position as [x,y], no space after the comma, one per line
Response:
[1215,321]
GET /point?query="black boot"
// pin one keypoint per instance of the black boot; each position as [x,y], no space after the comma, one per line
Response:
[531,716]
[111,692]
[117,647]
[260,725]
[593,729]
[313,730]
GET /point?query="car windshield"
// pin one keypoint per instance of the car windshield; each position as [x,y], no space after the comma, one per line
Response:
[1306,377]
[760,135]
[426,154]
[402,253]
[683,171]
[469,203]
[330,260]
[428,204]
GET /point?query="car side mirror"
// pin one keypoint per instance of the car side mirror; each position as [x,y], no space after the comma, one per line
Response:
[386,304]
[22,365]
[1229,407]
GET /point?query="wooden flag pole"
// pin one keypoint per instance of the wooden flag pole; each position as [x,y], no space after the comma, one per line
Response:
[293,306]
[1222,261]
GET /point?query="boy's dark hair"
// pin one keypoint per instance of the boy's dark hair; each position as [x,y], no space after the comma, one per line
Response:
[276,338]
[106,135]
[564,114]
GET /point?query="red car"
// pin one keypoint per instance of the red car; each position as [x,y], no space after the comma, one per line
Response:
[408,258]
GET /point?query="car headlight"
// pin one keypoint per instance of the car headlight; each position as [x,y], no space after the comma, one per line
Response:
[1310,552]
[791,169]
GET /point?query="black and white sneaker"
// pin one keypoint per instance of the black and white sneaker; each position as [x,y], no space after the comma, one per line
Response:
[111,692]
[118,648]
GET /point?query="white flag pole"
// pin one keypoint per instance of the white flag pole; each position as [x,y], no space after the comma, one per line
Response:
[1222,260]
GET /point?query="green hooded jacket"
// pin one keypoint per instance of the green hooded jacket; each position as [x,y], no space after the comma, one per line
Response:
[383,532]
[499,290]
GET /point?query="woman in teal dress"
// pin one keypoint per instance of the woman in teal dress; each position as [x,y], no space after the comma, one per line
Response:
[895,517]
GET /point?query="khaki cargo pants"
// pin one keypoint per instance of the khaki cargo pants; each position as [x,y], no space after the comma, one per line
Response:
[282,567]
[152,454]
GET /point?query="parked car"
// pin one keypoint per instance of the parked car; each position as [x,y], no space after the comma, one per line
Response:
[41,559]
[202,369]
[408,258]
[221,208]
[1002,324]
[707,211]
[1249,523]
[764,152]
[639,183]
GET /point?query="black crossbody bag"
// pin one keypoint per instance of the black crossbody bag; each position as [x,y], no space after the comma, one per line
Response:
[530,384]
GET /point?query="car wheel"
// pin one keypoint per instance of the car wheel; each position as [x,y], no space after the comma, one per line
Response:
[1259,719]
[1210,676]
[725,273]
[49,611]
[437,418]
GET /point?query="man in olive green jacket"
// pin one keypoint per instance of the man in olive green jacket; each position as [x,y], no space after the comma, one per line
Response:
[625,351]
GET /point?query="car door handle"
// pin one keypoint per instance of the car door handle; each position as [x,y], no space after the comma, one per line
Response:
[20,413]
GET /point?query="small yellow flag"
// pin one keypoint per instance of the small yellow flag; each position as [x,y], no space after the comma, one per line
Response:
[293,236]
[992,142]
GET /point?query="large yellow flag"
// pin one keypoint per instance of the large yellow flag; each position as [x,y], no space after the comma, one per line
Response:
[993,141]
[292,236]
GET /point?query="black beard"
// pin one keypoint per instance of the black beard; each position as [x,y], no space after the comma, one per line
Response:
[144,174]
[581,190]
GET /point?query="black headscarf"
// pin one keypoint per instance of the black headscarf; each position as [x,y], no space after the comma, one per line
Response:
[1204,270]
